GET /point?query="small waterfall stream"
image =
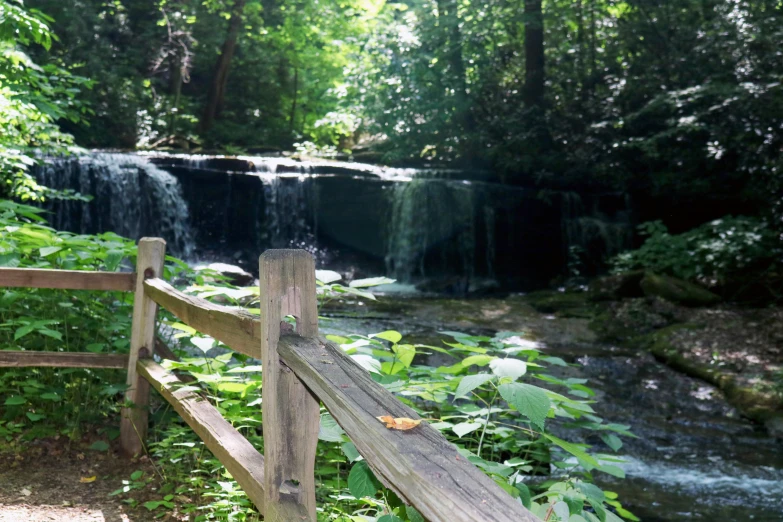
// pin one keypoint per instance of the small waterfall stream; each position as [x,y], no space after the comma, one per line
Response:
[131,197]
[419,226]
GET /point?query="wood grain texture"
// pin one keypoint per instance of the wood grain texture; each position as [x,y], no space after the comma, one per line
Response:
[291,414]
[133,423]
[18,358]
[67,279]
[239,457]
[420,465]
[237,328]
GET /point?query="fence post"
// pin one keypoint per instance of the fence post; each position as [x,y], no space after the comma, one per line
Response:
[291,414]
[133,424]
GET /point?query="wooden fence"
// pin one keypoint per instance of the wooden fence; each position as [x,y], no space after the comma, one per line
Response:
[299,372]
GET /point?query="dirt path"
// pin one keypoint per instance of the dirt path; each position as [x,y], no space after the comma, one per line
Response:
[49,482]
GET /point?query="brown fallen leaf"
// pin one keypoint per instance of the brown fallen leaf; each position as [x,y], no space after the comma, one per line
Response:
[399,423]
[87,480]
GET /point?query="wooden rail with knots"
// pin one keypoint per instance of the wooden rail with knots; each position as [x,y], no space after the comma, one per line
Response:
[300,372]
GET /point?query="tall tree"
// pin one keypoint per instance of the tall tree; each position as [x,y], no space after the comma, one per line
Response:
[217,89]
[534,54]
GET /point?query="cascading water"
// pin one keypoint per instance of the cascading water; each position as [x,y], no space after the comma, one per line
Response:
[432,224]
[132,197]
[590,233]
[451,235]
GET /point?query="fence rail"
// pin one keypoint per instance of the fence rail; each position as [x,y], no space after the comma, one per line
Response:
[299,372]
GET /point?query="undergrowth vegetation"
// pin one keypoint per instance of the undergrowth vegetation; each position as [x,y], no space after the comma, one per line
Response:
[493,397]
[712,254]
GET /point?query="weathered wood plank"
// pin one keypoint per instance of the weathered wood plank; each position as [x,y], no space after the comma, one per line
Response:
[133,423]
[67,279]
[18,358]
[420,465]
[239,457]
[291,413]
[238,329]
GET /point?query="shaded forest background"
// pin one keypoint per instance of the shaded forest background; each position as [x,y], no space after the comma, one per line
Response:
[680,102]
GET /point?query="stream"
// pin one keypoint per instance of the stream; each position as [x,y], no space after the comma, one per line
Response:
[695,458]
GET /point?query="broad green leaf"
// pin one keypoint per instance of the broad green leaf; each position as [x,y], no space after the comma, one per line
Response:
[329,430]
[370,281]
[361,481]
[99,445]
[24,330]
[577,450]
[389,518]
[530,401]
[612,440]
[477,360]
[15,400]
[413,515]
[464,428]
[389,335]
[350,451]
[47,251]
[327,276]
[513,368]
[470,383]
[524,493]
[562,511]
[367,362]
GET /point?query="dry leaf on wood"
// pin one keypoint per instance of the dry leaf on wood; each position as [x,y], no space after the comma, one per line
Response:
[399,423]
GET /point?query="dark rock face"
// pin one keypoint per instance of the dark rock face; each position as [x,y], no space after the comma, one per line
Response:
[418,227]
[677,290]
[617,286]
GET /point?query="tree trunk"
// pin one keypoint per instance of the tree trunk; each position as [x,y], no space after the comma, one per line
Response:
[450,40]
[534,54]
[218,87]
[293,103]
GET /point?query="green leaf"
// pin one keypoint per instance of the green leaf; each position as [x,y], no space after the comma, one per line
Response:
[612,440]
[371,281]
[389,335]
[151,505]
[361,481]
[615,471]
[413,515]
[471,382]
[113,259]
[47,251]
[329,430]
[530,401]
[524,493]
[389,518]
[15,401]
[100,445]
[562,511]
[350,451]
[327,276]
[24,330]
[478,360]
[577,450]
[136,475]
[34,416]
[513,368]
[464,428]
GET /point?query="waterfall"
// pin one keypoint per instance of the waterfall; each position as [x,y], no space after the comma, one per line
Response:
[593,232]
[289,217]
[431,230]
[131,197]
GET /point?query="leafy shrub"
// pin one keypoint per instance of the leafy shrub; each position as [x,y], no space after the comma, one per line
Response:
[711,254]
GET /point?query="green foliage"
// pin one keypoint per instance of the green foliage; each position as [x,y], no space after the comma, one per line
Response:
[495,400]
[33,99]
[711,254]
